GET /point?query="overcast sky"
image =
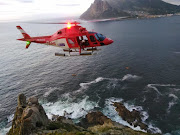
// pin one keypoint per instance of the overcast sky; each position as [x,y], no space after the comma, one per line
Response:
[32,9]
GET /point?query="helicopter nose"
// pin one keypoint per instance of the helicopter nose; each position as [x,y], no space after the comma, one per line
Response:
[108,41]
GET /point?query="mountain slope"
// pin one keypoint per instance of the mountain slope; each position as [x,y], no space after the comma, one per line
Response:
[102,9]
[150,6]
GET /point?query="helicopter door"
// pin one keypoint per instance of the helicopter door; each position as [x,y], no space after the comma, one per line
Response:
[93,40]
[82,40]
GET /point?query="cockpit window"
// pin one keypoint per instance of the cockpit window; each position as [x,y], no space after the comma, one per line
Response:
[100,37]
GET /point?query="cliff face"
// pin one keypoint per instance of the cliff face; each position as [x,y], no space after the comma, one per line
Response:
[101,10]
[118,8]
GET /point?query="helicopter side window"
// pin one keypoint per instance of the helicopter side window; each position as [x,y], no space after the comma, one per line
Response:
[92,39]
[70,41]
[59,32]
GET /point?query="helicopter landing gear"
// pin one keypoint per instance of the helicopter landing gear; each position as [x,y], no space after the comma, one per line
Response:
[80,51]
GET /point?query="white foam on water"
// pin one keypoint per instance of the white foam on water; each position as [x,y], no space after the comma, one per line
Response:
[84,86]
[77,110]
[176,89]
[130,77]
[167,134]
[99,79]
[4,131]
[154,129]
[49,91]
[165,85]
[172,103]
[152,86]
[173,96]
[110,112]
[10,118]
[177,52]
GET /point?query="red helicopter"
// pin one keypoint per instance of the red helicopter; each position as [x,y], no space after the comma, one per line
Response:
[71,39]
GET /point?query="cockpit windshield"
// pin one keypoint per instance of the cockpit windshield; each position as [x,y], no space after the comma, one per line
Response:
[100,37]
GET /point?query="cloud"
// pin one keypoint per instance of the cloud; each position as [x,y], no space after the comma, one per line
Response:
[68,5]
[29,9]
[25,1]
[2,3]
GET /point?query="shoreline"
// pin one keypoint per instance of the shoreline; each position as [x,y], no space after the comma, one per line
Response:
[131,18]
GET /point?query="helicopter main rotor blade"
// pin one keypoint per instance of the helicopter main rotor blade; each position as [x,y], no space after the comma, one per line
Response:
[54,22]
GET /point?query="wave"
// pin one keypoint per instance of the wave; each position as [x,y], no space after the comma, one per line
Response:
[173,96]
[10,118]
[164,85]
[99,79]
[176,52]
[49,91]
[130,77]
[76,109]
[6,125]
[4,131]
[84,86]
[152,86]
[172,102]
[110,112]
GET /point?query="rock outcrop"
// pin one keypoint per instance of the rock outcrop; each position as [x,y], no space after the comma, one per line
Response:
[94,118]
[31,119]
[133,117]
[28,116]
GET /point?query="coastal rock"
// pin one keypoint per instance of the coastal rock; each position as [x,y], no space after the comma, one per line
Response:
[99,124]
[31,119]
[22,101]
[27,118]
[94,118]
[133,117]
[33,100]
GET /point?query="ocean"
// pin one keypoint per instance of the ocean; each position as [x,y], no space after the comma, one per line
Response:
[141,69]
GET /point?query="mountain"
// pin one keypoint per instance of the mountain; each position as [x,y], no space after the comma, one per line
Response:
[102,9]
[153,7]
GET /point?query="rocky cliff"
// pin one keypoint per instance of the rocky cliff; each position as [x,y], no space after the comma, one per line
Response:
[102,9]
[31,119]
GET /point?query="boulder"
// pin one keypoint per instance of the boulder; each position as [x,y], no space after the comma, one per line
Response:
[33,100]
[94,118]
